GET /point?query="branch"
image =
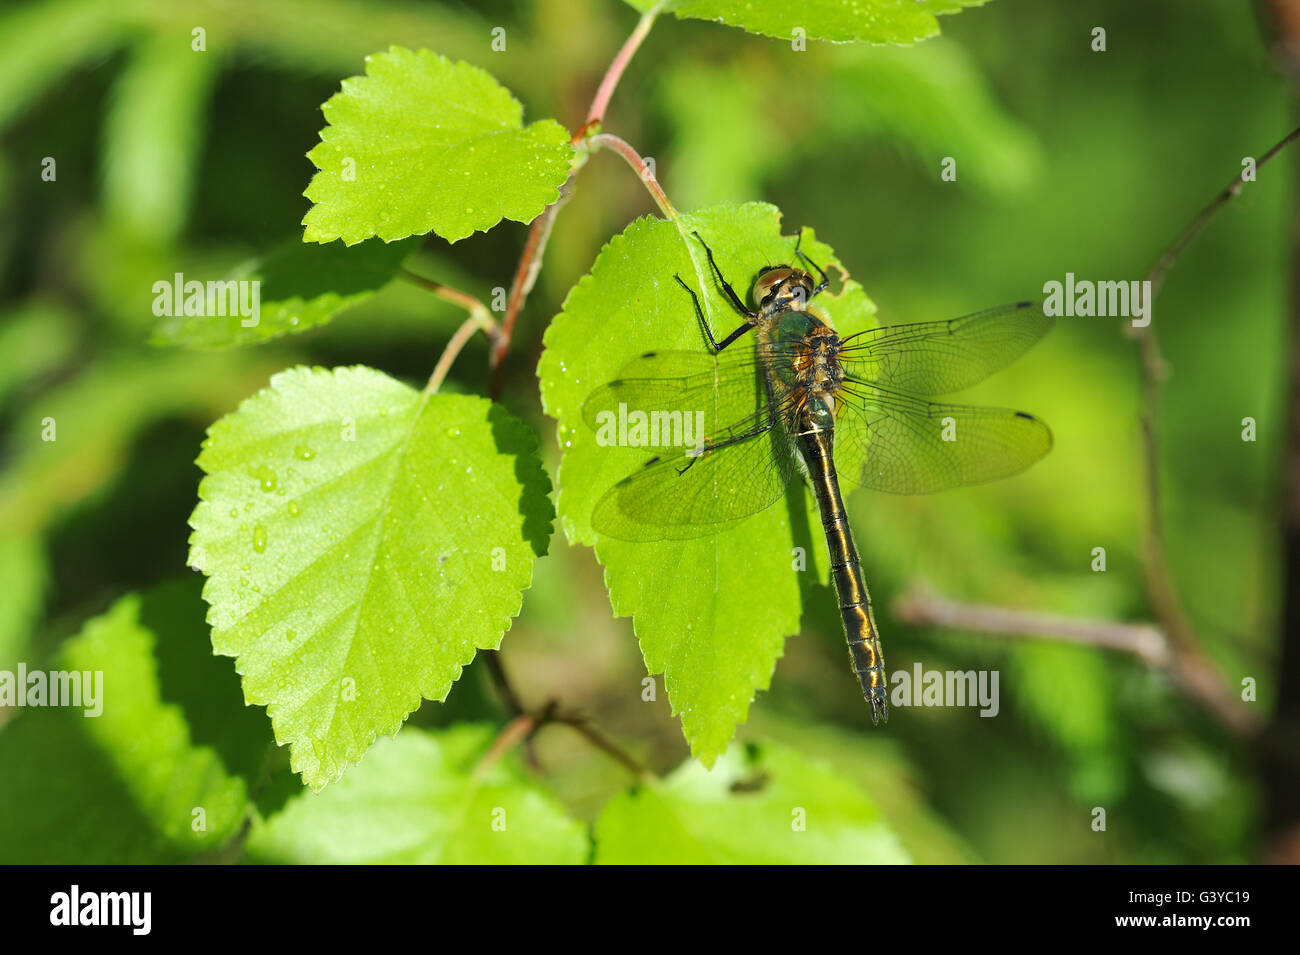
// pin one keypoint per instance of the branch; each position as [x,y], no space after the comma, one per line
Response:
[1166,261]
[584,728]
[639,166]
[530,260]
[479,319]
[605,92]
[1158,578]
[526,725]
[1194,674]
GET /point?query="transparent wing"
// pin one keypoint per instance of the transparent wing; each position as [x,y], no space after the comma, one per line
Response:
[896,443]
[659,395]
[729,459]
[678,496]
[937,358]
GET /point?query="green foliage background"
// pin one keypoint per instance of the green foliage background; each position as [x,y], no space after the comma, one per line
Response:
[1068,161]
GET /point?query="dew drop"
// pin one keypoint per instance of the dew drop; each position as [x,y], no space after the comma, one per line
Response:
[304,452]
[265,478]
[259,538]
[294,509]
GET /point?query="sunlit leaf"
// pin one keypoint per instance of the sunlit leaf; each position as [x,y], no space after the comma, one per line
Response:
[301,285]
[864,21]
[420,798]
[761,805]
[362,543]
[174,798]
[712,613]
[420,144]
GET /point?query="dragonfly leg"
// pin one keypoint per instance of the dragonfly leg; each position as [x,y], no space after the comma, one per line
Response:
[726,286]
[825,282]
[704,324]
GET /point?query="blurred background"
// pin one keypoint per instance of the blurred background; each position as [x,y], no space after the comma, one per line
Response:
[1068,160]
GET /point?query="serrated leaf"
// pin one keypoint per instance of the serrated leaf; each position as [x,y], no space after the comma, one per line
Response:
[760,805]
[865,21]
[301,286]
[362,541]
[712,614]
[123,762]
[418,799]
[421,144]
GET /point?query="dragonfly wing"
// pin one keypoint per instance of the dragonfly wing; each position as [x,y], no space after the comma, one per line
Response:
[657,391]
[937,358]
[903,445]
[684,493]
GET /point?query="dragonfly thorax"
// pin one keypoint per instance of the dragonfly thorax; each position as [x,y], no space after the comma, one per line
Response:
[782,287]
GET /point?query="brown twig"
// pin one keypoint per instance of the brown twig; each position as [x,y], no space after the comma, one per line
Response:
[530,264]
[502,680]
[526,725]
[480,319]
[530,260]
[1194,675]
[1158,578]
[1166,261]
[584,728]
[517,730]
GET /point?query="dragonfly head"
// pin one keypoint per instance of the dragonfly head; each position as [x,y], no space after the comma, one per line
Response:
[780,286]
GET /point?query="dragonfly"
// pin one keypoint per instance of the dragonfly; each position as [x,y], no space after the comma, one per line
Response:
[731,428]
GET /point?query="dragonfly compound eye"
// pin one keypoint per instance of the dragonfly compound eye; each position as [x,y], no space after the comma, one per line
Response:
[771,281]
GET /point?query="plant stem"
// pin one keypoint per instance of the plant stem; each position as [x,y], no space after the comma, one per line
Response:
[1158,578]
[1193,673]
[526,725]
[502,680]
[530,260]
[584,728]
[608,84]
[479,319]
[640,166]
[516,731]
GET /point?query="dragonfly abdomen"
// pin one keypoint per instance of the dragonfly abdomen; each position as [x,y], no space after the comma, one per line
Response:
[816,445]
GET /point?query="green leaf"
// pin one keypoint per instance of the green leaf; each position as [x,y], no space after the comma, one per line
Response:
[712,613]
[301,286]
[362,541]
[419,799]
[125,764]
[761,805]
[865,21]
[422,144]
